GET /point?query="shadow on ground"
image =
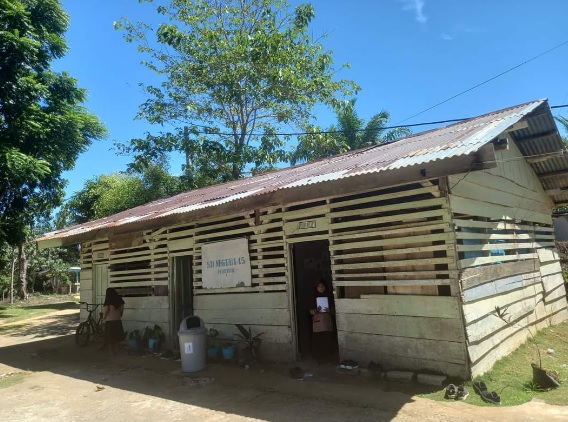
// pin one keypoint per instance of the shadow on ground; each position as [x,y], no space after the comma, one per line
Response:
[265,391]
[63,325]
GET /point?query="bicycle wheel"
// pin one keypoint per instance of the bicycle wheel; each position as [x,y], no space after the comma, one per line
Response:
[83,334]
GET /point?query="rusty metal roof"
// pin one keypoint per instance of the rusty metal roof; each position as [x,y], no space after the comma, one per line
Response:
[438,144]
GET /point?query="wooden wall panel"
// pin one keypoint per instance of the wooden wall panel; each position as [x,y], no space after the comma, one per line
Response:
[265,313]
[506,255]
[403,331]
[399,238]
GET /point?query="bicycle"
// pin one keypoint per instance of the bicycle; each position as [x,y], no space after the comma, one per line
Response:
[91,330]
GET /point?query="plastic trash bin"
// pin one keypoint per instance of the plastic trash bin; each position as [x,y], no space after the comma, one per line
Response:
[192,344]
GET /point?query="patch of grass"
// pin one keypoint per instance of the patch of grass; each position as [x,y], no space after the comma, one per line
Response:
[36,305]
[8,380]
[511,376]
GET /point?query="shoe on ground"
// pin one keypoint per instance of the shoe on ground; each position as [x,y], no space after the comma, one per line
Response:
[461,392]
[451,391]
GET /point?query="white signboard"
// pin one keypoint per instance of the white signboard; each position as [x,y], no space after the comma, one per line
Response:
[226,264]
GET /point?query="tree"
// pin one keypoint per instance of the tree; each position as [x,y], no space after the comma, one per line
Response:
[112,193]
[231,69]
[43,127]
[564,122]
[351,133]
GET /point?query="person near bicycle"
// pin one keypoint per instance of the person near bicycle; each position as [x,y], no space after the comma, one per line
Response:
[112,313]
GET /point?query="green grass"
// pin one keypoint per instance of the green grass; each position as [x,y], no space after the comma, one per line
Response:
[36,305]
[511,377]
[8,380]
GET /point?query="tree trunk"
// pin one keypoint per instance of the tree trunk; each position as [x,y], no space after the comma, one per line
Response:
[22,288]
[12,278]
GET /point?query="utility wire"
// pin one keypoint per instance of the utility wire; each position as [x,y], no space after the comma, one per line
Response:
[213,131]
[487,81]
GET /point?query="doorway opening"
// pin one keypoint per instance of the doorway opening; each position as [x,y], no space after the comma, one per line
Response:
[311,263]
[181,294]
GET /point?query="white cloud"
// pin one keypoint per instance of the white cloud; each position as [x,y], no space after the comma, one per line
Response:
[446,36]
[415,6]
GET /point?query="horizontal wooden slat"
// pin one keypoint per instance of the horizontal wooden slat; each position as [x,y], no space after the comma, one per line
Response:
[384,197]
[390,264]
[445,329]
[246,316]
[265,288]
[425,203]
[470,262]
[422,274]
[267,300]
[481,308]
[500,225]
[407,240]
[398,282]
[409,305]
[391,252]
[472,207]
[270,333]
[471,277]
[444,351]
[418,215]
[404,229]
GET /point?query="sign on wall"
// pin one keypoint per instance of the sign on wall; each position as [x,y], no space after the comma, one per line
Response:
[226,264]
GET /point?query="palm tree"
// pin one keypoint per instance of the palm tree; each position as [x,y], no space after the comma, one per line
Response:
[564,122]
[351,133]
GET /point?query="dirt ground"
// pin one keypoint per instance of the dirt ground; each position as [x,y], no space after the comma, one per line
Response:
[64,383]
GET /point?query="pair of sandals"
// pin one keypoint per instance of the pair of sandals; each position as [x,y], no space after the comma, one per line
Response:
[486,395]
[459,392]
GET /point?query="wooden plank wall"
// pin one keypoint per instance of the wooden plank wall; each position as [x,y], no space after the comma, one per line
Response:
[403,331]
[392,254]
[263,306]
[393,258]
[506,256]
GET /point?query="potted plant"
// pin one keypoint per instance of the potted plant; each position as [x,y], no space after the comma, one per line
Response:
[541,377]
[213,347]
[156,337]
[134,338]
[228,351]
[251,341]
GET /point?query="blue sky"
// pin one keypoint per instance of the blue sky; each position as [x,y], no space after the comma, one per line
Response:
[407,55]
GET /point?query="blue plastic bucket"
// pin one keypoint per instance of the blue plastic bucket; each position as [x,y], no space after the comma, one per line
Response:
[229,351]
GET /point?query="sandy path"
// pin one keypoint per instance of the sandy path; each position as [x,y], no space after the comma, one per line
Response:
[67,384]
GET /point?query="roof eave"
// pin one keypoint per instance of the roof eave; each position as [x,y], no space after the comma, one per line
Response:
[483,158]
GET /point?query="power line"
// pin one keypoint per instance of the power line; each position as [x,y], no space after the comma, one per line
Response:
[487,81]
[213,131]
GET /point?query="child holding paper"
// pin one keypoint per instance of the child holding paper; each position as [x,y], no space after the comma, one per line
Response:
[322,324]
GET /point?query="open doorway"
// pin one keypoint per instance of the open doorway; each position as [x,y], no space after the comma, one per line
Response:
[181,293]
[311,265]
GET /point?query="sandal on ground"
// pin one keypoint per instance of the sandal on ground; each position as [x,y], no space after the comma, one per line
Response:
[451,391]
[491,397]
[488,396]
[479,387]
[462,393]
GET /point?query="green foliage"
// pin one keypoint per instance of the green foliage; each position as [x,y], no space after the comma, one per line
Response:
[43,127]
[230,68]
[109,194]
[351,133]
[135,335]
[249,339]
[564,124]
[511,377]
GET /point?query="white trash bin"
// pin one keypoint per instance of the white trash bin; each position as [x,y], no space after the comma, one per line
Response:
[192,344]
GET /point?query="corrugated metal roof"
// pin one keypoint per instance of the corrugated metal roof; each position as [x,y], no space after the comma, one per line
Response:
[455,140]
